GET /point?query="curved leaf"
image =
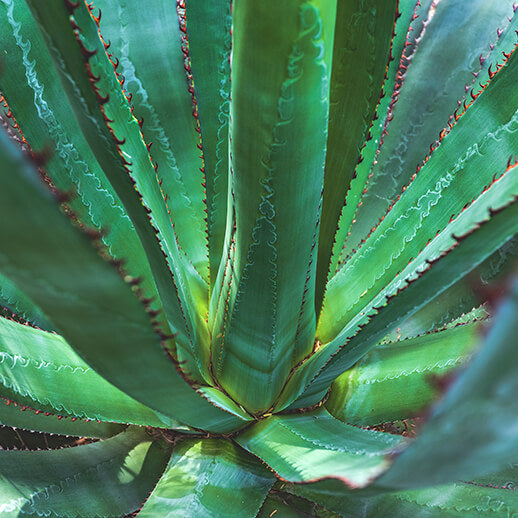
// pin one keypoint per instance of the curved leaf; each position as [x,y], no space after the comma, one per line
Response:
[85,78]
[314,445]
[494,495]
[92,307]
[483,395]
[107,478]
[13,299]
[462,302]
[362,45]
[447,259]
[208,478]
[463,166]
[396,380]
[407,31]
[20,416]
[270,316]
[147,44]
[43,367]
[451,51]
[37,106]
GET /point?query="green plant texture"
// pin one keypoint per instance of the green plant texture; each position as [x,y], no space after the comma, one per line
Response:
[256,258]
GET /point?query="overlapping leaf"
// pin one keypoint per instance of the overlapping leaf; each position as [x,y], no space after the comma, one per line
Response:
[314,446]
[452,180]
[461,440]
[362,46]
[208,27]
[399,379]
[86,299]
[86,74]
[494,495]
[458,41]
[206,478]
[20,416]
[419,229]
[14,300]
[446,260]
[107,478]
[44,368]
[279,113]
[147,45]
[41,112]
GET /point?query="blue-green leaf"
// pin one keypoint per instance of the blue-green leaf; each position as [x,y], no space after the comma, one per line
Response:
[88,301]
[470,433]
[279,113]
[396,380]
[107,478]
[209,478]
[314,445]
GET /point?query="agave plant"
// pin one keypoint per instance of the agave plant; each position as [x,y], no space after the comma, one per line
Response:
[253,316]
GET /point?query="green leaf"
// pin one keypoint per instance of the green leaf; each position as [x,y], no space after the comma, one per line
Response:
[462,302]
[279,113]
[442,263]
[494,495]
[147,43]
[35,99]
[43,367]
[453,303]
[107,478]
[446,59]
[470,432]
[20,416]
[409,26]
[396,380]
[315,445]
[13,299]
[453,180]
[208,30]
[183,293]
[455,500]
[505,42]
[218,398]
[362,45]
[208,478]
[461,439]
[86,299]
